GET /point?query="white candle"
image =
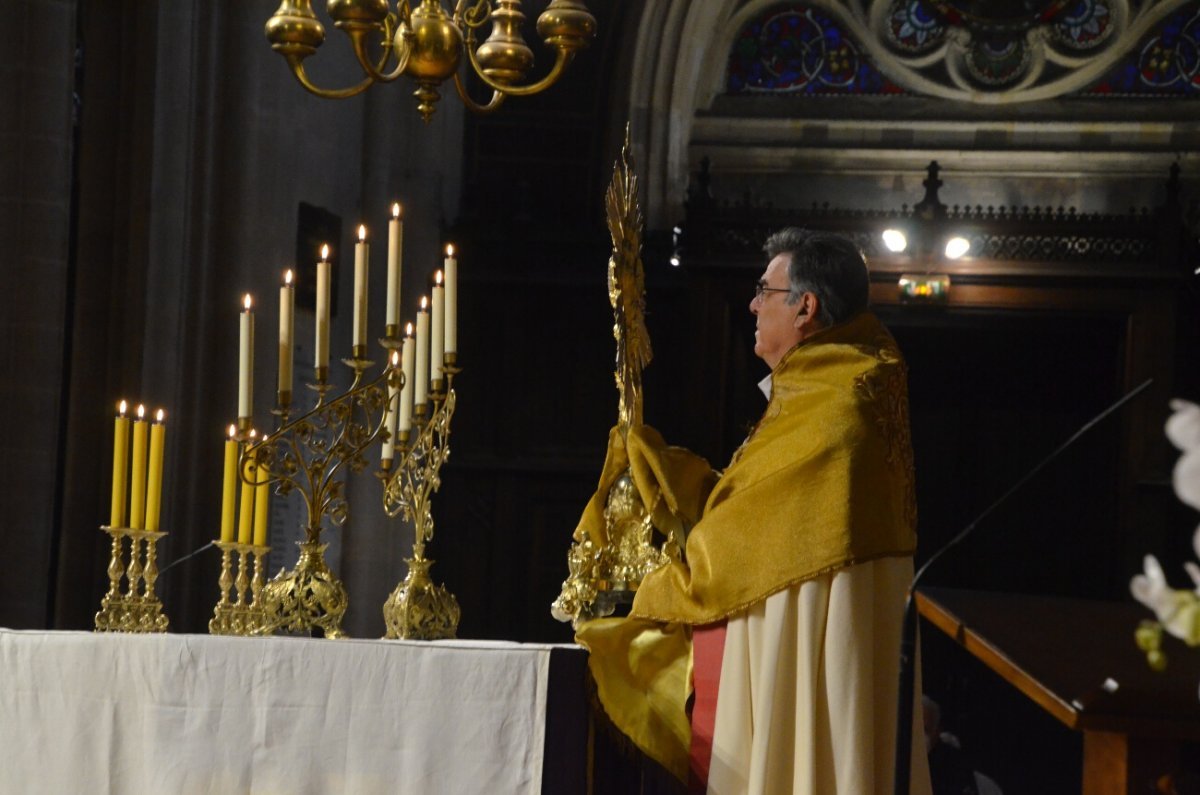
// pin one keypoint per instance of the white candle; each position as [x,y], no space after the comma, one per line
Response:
[287,327]
[451,268]
[421,388]
[246,361]
[438,330]
[395,249]
[322,346]
[360,288]
[406,392]
[393,411]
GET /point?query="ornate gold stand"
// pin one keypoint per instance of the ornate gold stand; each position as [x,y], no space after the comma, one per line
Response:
[243,615]
[306,455]
[137,608]
[418,609]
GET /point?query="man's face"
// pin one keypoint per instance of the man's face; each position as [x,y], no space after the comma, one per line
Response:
[778,327]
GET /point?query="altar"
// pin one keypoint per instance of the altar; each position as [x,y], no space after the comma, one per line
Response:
[124,713]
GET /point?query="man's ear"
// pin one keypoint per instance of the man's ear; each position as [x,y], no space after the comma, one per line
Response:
[806,310]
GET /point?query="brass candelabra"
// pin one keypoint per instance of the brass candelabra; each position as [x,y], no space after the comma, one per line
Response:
[305,455]
[427,44]
[418,609]
[134,608]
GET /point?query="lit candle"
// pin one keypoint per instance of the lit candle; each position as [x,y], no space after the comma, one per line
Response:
[287,329]
[393,411]
[421,388]
[438,331]
[246,361]
[229,486]
[120,466]
[322,346]
[395,250]
[360,288]
[246,509]
[406,391]
[155,475]
[451,268]
[137,491]
[262,502]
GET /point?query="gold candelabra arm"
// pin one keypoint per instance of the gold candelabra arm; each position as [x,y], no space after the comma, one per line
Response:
[496,101]
[296,62]
[397,42]
[562,60]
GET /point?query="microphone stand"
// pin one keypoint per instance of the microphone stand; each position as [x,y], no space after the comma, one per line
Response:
[908,632]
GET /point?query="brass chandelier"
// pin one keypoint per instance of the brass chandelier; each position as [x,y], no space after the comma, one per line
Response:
[427,44]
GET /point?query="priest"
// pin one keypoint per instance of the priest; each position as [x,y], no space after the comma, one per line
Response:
[765,658]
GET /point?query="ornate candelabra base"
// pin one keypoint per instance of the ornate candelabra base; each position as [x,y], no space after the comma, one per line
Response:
[308,597]
[244,613]
[418,609]
[136,608]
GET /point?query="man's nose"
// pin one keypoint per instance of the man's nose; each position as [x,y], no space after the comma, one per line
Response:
[754,304]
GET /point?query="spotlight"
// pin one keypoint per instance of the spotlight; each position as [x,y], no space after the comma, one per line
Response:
[895,240]
[957,247]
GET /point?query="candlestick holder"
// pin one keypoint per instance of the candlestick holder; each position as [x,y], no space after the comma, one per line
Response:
[417,609]
[305,455]
[244,613]
[134,608]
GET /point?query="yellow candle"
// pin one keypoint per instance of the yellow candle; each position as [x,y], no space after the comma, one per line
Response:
[246,361]
[229,485]
[154,478]
[395,250]
[437,344]
[120,467]
[287,329]
[406,392]
[137,491]
[262,502]
[451,268]
[322,342]
[393,411]
[421,393]
[246,509]
[361,259]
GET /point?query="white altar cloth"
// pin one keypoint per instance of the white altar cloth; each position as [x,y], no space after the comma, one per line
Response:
[118,713]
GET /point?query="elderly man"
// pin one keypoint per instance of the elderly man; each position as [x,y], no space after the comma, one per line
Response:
[793,577]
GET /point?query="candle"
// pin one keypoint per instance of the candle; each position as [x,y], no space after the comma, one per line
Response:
[406,392]
[395,249]
[137,496]
[360,288]
[287,328]
[229,485]
[421,388]
[154,477]
[437,343]
[322,346]
[246,361]
[120,466]
[451,268]
[262,502]
[393,411]
[246,509]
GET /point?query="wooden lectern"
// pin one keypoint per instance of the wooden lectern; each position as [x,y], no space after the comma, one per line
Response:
[1060,653]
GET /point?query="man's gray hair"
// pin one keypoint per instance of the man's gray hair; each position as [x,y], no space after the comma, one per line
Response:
[828,265]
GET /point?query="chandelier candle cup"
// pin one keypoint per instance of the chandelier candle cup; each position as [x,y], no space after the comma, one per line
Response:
[120,466]
[395,251]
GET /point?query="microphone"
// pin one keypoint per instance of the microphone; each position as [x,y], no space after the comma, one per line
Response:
[908,632]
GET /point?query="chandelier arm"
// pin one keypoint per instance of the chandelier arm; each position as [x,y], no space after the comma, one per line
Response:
[375,70]
[560,65]
[473,106]
[297,65]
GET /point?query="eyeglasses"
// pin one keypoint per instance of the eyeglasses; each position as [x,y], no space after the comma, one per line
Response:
[761,288]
